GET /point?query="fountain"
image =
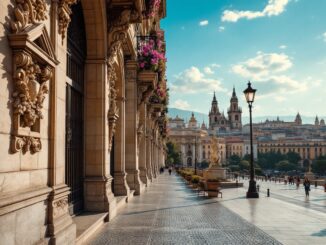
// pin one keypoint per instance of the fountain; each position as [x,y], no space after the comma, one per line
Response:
[215,170]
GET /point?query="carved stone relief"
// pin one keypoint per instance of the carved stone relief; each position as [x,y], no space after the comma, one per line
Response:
[64,13]
[28,12]
[33,62]
[113,113]
[60,207]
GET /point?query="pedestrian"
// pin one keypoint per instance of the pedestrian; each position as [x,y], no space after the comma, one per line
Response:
[170,170]
[306,185]
[298,182]
[316,184]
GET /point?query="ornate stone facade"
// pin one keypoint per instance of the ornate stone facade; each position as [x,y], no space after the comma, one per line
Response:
[78,131]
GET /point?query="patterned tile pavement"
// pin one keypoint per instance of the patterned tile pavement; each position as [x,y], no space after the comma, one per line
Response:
[170,213]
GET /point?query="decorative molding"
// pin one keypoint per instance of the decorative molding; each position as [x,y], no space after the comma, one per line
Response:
[113,113]
[121,21]
[26,144]
[140,132]
[28,12]
[60,207]
[33,63]
[30,89]
[64,19]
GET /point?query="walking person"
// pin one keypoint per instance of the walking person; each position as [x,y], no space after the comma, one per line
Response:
[298,182]
[170,170]
[306,185]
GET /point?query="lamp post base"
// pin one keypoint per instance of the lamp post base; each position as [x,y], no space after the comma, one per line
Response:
[252,190]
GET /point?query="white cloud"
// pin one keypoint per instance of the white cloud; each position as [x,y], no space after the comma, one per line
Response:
[263,65]
[208,70]
[203,23]
[283,46]
[221,28]
[280,98]
[273,8]
[192,81]
[181,104]
[324,36]
[268,73]
[215,65]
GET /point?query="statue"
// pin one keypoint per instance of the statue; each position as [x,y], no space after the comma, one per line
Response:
[215,154]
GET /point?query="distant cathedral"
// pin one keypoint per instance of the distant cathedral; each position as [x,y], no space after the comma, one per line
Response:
[218,121]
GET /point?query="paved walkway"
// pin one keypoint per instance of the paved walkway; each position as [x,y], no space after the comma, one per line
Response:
[292,194]
[170,213]
[286,215]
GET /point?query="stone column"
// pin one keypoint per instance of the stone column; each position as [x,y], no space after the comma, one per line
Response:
[153,157]
[141,132]
[132,166]
[149,156]
[121,187]
[98,193]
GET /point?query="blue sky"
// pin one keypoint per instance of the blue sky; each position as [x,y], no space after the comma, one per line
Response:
[280,45]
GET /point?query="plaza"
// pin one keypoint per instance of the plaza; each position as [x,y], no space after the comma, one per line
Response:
[171,213]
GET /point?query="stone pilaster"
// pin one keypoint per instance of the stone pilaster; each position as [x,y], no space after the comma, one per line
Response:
[141,132]
[98,181]
[149,156]
[132,123]
[121,187]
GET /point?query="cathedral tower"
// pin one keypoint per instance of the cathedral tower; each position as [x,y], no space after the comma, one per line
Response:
[298,120]
[214,114]
[235,112]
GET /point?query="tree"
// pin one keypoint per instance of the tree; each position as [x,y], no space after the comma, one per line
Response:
[269,160]
[285,166]
[246,157]
[319,166]
[173,154]
[244,165]
[293,157]
[234,160]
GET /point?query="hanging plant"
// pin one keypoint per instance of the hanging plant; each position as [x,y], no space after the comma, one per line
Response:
[154,6]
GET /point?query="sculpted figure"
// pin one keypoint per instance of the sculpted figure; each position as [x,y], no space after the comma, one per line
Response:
[215,154]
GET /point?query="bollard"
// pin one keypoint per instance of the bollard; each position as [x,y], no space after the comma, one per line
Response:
[268,192]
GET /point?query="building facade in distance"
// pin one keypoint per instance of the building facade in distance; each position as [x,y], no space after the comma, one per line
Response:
[217,120]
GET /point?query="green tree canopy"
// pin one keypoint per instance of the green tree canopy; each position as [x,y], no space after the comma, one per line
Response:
[285,165]
[173,154]
[234,160]
[244,165]
[269,160]
[293,157]
[319,166]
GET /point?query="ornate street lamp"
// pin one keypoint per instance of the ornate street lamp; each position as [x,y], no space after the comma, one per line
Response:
[250,97]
